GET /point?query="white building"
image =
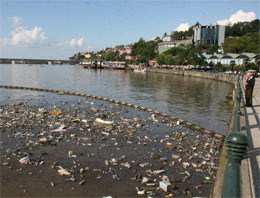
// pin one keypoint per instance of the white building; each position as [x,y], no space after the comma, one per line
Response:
[167,38]
[229,58]
[164,46]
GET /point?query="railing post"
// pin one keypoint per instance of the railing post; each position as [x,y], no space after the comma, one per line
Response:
[236,147]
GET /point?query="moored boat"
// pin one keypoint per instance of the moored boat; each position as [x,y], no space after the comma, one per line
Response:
[85,66]
[91,64]
[140,70]
[114,65]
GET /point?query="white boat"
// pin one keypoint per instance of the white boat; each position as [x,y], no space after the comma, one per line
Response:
[140,70]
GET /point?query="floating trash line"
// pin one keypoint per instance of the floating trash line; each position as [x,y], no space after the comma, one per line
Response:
[63,92]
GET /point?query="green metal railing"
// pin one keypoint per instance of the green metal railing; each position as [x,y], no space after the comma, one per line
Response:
[236,147]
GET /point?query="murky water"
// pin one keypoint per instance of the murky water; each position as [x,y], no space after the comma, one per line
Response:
[200,101]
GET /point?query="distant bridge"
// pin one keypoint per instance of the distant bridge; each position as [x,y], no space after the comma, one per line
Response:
[34,61]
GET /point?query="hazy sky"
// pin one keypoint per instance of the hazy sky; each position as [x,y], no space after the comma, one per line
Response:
[56,29]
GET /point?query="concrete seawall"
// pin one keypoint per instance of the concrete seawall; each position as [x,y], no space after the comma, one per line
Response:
[213,76]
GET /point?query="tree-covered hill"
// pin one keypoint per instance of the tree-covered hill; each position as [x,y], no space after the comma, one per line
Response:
[239,37]
[250,42]
[242,28]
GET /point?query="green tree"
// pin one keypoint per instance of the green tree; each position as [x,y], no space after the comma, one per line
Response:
[224,68]
[188,55]
[250,42]
[241,28]
[218,66]
[122,57]
[232,64]
[160,59]
[120,46]
[213,49]
[169,60]
[145,50]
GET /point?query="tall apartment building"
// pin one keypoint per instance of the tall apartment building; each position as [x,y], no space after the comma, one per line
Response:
[210,35]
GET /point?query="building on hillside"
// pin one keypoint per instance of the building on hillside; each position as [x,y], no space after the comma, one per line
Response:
[167,38]
[210,35]
[184,42]
[87,55]
[215,58]
[164,46]
[207,57]
[229,58]
[153,63]
[131,58]
[126,50]
[247,57]
[109,50]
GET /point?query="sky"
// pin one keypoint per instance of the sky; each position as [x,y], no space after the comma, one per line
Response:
[57,29]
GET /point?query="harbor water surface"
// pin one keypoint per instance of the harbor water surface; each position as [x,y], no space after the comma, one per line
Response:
[53,145]
[200,101]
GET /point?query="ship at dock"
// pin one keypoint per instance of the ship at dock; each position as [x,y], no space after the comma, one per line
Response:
[114,65]
[104,65]
[91,65]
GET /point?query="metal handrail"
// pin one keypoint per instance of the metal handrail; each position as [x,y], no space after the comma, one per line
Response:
[236,147]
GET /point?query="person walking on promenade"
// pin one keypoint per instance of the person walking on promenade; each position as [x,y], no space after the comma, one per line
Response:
[249,84]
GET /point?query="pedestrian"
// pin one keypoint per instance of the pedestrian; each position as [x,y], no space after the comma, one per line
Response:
[249,84]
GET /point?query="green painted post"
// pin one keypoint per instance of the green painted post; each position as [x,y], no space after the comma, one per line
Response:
[236,147]
[236,144]
[236,125]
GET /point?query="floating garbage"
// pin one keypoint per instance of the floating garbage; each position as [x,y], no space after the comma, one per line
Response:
[144,180]
[127,165]
[19,133]
[157,172]
[43,140]
[140,192]
[76,120]
[163,159]
[207,178]
[100,143]
[63,171]
[174,156]
[82,182]
[70,154]
[145,165]
[55,112]
[25,160]
[71,179]
[60,129]
[103,121]
[165,186]
[52,184]
[186,164]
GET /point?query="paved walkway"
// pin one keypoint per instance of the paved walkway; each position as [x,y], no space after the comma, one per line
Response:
[251,127]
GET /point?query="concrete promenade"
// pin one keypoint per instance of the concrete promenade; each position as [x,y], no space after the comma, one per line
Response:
[250,126]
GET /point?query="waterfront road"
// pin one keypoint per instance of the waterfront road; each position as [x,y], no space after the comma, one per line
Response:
[250,125]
